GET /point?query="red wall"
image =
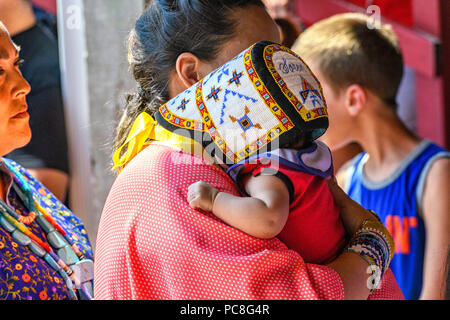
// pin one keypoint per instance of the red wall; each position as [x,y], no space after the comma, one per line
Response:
[48,5]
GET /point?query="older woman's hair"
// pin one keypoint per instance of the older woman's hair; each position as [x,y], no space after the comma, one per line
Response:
[166,29]
[5,30]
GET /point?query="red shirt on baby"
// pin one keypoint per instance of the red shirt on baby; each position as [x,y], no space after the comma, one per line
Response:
[314,228]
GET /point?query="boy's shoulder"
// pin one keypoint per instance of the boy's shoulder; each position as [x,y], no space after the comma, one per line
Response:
[427,158]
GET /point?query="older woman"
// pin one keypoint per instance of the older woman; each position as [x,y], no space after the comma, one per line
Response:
[44,249]
[151,243]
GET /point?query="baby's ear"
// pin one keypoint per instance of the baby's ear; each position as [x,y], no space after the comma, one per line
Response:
[355,99]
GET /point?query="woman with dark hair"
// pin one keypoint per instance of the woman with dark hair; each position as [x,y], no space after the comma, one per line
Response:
[151,244]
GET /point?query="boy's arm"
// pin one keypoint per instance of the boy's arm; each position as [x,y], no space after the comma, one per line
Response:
[436,214]
[263,215]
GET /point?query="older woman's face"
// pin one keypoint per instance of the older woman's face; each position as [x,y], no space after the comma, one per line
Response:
[14,120]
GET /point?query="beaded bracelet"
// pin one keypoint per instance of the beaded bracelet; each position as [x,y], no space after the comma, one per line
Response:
[375,216]
[374,244]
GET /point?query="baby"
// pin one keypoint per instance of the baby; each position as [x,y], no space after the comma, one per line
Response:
[286,187]
[264,98]
[240,114]
[287,196]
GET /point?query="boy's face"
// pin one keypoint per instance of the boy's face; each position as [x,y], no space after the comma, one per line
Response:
[340,122]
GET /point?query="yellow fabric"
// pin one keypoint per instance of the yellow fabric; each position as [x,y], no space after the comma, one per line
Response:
[146,130]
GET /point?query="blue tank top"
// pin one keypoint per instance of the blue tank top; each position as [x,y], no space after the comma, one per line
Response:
[398,200]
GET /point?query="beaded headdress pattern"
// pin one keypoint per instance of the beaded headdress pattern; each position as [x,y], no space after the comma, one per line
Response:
[263,98]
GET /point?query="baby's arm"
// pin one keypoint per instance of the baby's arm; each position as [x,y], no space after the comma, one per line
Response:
[263,215]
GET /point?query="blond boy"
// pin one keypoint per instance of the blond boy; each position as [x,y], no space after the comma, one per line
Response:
[403,178]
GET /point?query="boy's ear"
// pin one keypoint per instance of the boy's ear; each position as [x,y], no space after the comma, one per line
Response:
[355,99]
[188,69]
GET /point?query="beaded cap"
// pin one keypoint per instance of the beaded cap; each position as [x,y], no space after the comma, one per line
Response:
[263,98]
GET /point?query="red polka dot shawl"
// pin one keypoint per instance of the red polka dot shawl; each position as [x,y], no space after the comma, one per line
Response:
[152,245]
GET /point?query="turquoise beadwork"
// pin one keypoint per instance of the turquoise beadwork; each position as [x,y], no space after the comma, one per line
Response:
[62,252]
[67,255]
[48,258]
[5,224]
[45,225]
[89,289]
[84,270]
[37,249]
[56,240]
[21,238]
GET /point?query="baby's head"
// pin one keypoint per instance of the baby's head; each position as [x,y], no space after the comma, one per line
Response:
[263,99]
[300,142]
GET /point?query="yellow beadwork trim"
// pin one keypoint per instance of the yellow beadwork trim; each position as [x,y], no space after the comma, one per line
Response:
[181,123]
[270,103]
[269,51]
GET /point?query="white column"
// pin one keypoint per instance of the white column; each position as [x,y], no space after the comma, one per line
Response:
[95,78]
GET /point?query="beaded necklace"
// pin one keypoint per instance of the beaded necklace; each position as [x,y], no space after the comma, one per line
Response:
[68,260]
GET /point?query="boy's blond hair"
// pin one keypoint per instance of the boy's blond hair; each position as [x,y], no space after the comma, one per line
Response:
[347,50]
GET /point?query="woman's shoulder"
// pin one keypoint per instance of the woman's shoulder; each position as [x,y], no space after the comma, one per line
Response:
[158,171]
[164,163]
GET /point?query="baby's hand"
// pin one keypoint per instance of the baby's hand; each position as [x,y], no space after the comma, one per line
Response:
[201,195]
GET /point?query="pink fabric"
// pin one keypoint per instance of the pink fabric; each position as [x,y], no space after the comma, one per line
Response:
[152,245]
[48,5]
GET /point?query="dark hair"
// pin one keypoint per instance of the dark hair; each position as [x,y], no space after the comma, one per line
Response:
[289,31]
[302,140]
[166,29]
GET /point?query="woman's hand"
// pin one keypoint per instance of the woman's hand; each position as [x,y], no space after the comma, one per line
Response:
[352,268]
[201,195]
[352,214]
[355,271]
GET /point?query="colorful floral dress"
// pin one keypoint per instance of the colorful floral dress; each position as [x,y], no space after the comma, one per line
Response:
[23,275]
